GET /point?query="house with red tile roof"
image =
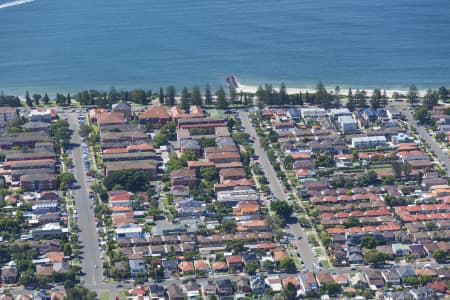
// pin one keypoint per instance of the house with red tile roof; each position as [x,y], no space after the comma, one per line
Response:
[232,174]
[223,157]
[110,118]
[232,184]
[252,225]
[155,115]
[186,267]
[234,262]
[119,198]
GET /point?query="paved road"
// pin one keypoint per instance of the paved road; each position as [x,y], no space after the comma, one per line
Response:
[86,219]
[277,189]
[434,146]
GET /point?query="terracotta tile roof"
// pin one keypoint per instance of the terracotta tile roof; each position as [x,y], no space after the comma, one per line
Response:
[111,118]
[199,164]
[117,209]
[141,147]
[55,256]
[218,155]
[219,265]
[186,266]
[234,259]
[266,246]
[300,155]
[291,279]
[278,255]
[201,265]
[138,291]
[155,112]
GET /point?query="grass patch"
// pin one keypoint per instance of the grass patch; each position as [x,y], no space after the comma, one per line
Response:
[105,295]
[319,251]
[324,263]
[123,294]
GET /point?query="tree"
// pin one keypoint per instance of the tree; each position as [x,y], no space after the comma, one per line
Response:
[332,288]
[185,103]
[407,169]
[27,278]
[170,95]
[290,292]
[397,168]
[188,155]
[132,180]
[268,265]
[36,98]
[439,255]
[410,281]
[161,96]
[430,99]
[443,93]
[288,162]
[28,99]
[361,98]
[61,131]
[80,293]
[68,99]
[221,98]
[46,99]
[232,93]
[85,130]
[322,97]
[284,98]
[66,179]
[208,173]
[196,95]
[368,242]
[250,267]
[375,257]
[431,226]
[421,115]
[351,222]
[207,142]
[287,264]
[281,209]
[159,140]
[375,99]
[229,226]
[413,94]
[208,95]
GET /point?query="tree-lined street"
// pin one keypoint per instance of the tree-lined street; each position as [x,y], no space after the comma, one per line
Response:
[301,238]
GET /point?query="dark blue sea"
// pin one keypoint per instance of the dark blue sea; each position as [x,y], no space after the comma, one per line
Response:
[69,45]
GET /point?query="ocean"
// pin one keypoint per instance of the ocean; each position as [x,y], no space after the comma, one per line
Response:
[66,46]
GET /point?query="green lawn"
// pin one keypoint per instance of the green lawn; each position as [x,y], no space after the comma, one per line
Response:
[123,294]
[324,264]
[105,295]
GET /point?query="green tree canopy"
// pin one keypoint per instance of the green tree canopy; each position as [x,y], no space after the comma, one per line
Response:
[132,180]
[281,209]
[375,257]
[287,264]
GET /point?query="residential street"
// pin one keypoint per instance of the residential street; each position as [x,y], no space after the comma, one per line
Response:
[431,142]
[277,189]
[88,237]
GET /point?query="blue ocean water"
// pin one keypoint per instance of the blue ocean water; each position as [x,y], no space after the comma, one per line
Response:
[67,45]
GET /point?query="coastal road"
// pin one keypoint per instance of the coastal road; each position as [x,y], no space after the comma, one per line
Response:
[431,142]
[301,238]
[86,219]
